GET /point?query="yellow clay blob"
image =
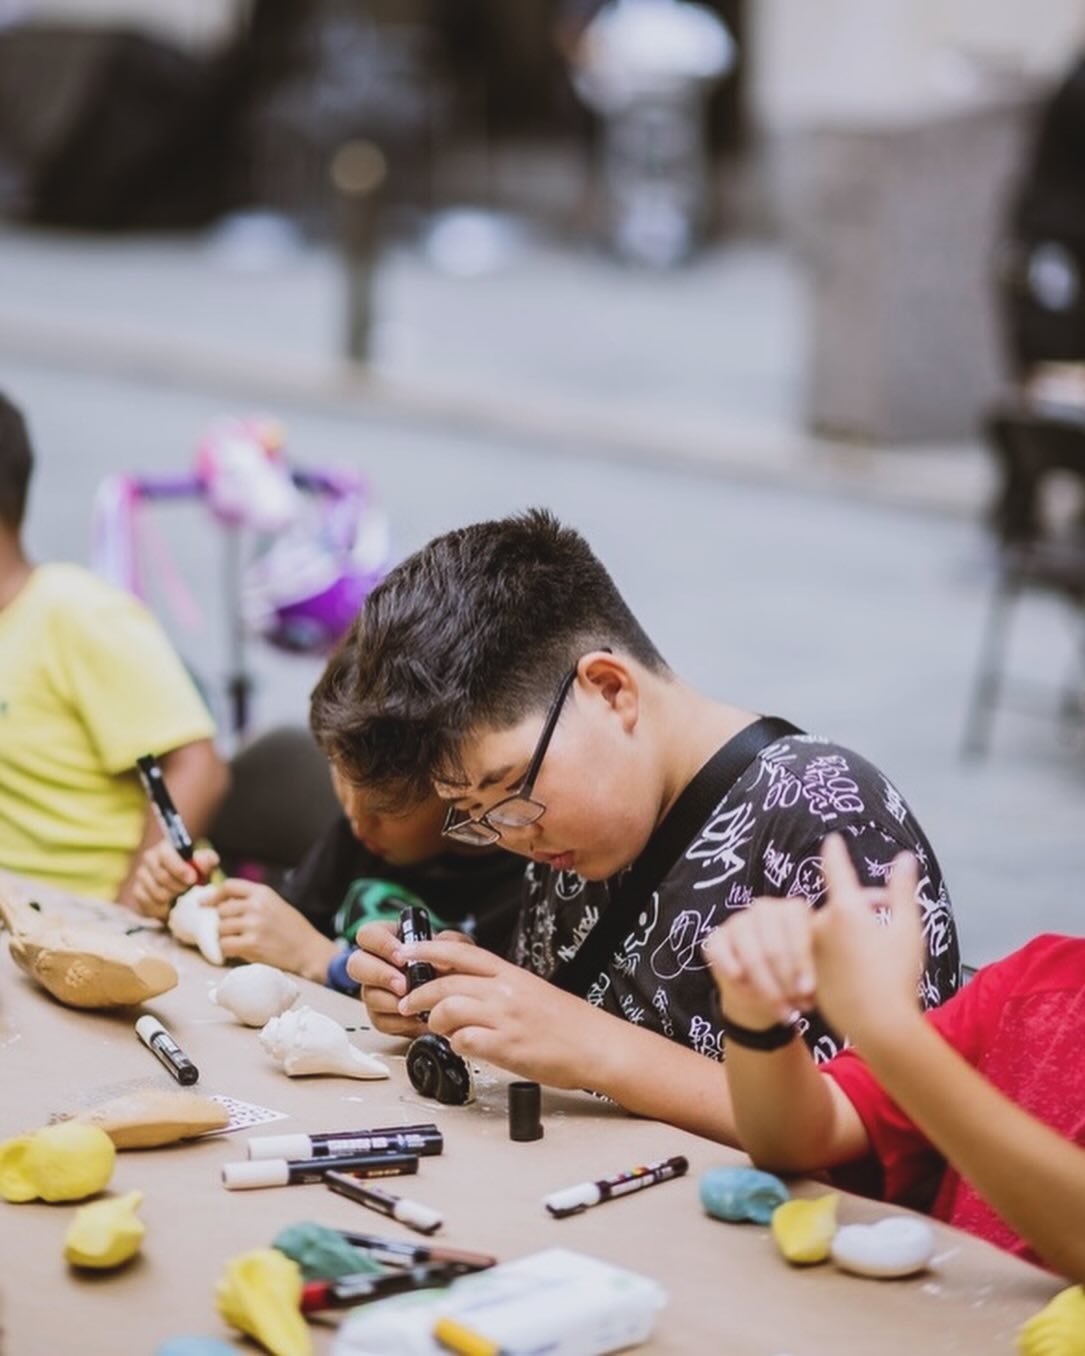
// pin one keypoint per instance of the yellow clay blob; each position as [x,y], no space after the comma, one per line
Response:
[1058,1329]
[105,1233]
[804,1230]
[260,1292]
[65,1162]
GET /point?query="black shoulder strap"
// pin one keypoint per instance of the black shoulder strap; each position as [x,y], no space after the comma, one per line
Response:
[684,819]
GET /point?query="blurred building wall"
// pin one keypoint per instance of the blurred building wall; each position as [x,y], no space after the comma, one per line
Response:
[199,24]
[851,58]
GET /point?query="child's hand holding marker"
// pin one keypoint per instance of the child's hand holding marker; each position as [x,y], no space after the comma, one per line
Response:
[163,874]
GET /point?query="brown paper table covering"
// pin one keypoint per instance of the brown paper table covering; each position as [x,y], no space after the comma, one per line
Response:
[729,1292]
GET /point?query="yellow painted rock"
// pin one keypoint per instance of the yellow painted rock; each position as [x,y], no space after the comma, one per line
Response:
[105,1233]
[1058,1329]
[260,1292]
[65,1162]
[804,1230]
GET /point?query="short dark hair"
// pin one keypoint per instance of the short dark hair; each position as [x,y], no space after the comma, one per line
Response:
[475,629]
[16,464]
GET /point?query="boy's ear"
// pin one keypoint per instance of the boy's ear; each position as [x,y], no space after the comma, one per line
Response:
[612,679]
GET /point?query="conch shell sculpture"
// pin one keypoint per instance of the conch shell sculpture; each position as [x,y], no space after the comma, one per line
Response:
[84,966]
[307,1042]
[193,923]
[255,993]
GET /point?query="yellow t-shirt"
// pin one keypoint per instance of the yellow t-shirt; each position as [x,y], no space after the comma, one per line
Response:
[88,682]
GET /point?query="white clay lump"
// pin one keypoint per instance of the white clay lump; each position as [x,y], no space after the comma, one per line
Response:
[307,1042]
[897,1246]
[193,923]
[255,993]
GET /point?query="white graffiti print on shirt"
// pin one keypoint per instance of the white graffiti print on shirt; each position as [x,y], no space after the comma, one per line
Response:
[934,909]
[720,843]
[776,865]
[808,881]
[567,885]
[829,790]
[705,1039]
[630,1010]
[585,923]
[680,951]
[598,991]
[661,1003]
[894,801]
[627,957]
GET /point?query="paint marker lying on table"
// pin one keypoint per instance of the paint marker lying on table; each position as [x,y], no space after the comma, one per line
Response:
[402,1139]
[273,1172]
[395,1252]
[572,1200]
[160,1043]
[173,826]
[348,1290]
[410,1213]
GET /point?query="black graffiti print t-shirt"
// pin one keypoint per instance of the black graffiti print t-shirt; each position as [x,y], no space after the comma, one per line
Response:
[763,838]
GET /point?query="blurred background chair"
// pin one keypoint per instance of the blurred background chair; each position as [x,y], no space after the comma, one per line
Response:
[279,803]
[1040,532]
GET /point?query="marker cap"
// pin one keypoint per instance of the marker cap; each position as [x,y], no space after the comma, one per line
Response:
[572,1199]
[280,1146]
[525,1101]
[244,1175]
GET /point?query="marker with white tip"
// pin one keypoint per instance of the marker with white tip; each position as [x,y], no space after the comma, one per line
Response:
[414,1216]
[571,1200]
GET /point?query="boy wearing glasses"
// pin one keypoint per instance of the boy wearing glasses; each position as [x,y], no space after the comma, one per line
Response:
[500,665]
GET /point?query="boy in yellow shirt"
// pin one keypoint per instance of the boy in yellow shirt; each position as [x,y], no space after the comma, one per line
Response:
[88,682]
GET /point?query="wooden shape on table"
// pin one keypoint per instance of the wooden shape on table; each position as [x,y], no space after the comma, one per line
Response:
[81,965]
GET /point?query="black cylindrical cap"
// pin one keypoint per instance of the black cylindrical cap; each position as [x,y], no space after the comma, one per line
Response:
[525,1100]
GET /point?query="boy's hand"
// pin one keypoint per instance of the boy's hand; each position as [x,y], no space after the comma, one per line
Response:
[374,966]
[163,874]
[492,1010]
[256,924]
[763,962]
[867,967]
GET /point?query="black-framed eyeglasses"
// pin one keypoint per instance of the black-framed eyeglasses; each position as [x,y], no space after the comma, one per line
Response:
[520,810]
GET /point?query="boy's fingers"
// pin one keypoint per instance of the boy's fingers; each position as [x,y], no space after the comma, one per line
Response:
[427,996]
[796,947]
[840,875]
[377,939]
[720,955]
[461,957]
[458,1011]
[756,970]
[371,972]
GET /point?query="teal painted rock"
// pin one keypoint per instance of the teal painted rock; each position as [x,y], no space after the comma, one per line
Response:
[323,1254]
[741,1195]
[194,1346]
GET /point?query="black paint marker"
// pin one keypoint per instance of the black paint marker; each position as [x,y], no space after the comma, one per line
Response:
[395,1252]
[410,1213]
[423,1140]
[272,1172]
[347,1290]
[159,1041]
[572,1200]
[173,826]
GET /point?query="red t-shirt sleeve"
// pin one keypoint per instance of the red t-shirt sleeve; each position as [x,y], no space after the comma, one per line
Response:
[906,1158]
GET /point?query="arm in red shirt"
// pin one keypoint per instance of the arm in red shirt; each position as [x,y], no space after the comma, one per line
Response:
[863,978]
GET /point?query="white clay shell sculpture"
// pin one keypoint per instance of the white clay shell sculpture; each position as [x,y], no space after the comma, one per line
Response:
[255,993]
[897,1246]
[307,1042]
[195,925]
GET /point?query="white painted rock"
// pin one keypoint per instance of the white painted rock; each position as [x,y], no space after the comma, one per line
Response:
[255,993]
[897,1246]
[307,1042]
[192,923]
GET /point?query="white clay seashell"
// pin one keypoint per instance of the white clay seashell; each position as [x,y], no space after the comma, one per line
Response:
[255,993]
[307,1042]
[192,923]
[897,1246]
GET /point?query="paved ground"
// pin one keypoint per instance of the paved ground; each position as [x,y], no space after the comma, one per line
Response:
[844,589]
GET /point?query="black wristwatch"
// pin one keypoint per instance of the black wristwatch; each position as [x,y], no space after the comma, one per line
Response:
[767,1038]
